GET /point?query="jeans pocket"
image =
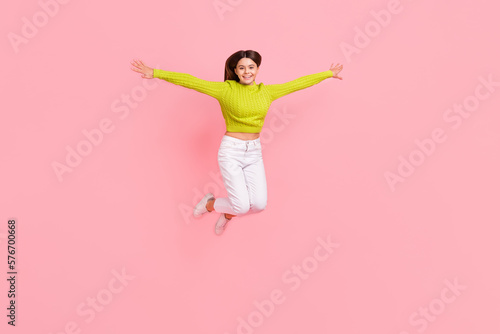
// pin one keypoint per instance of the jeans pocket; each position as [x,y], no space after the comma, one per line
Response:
[226,150]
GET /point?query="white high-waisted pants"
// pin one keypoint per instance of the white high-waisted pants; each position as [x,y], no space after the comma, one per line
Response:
[242,169]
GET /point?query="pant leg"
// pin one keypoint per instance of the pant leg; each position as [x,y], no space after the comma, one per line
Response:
[255,177]
[231,163]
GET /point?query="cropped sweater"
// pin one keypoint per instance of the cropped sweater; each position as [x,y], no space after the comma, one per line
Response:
[244,107]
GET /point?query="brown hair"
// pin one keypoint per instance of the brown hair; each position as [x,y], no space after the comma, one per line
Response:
[233,60]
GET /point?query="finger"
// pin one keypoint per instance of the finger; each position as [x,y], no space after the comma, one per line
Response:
[137,70]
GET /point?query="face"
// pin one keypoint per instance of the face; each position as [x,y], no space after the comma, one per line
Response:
[246,70]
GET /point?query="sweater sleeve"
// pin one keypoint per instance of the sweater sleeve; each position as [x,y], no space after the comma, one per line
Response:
[279,90]
[212,88]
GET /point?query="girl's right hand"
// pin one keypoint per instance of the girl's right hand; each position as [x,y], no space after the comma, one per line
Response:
[147,72]
[336,70]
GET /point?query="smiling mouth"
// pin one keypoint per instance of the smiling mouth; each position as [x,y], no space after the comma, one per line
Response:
[247,77]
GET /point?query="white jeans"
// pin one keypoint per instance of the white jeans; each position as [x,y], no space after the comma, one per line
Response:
[242,169]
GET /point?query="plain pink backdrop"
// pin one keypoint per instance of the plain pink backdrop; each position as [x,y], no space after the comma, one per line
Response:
[125,206]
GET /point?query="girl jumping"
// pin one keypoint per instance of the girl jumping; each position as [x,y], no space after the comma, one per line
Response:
[244,105]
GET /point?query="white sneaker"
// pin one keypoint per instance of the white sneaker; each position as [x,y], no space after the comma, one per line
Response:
[221,224]
[201,207]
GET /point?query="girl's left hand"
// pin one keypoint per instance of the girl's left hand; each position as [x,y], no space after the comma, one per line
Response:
[336,70]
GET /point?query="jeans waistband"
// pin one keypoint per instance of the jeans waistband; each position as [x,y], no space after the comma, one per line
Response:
[240,141]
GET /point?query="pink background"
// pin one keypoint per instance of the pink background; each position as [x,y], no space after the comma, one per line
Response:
[126,205]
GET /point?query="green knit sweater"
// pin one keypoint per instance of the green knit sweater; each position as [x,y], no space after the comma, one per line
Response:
[244,107]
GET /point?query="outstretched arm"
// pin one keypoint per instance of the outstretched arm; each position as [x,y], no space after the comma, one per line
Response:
[279,90]
[212,88]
